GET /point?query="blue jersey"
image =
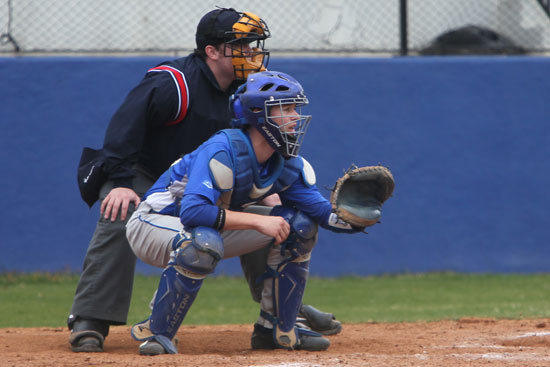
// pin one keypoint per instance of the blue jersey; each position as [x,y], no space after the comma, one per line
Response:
[190,191]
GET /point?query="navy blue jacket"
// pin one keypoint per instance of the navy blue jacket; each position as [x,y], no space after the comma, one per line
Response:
[177,106]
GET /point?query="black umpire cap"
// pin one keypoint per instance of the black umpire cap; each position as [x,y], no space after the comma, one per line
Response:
[213,25]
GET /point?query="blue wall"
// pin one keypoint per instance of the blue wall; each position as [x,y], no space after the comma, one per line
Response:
[468,141]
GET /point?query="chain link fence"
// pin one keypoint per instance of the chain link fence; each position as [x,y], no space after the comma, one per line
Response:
[328,26]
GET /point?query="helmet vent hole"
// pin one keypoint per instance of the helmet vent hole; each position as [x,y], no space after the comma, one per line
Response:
[282,88]
[266,87]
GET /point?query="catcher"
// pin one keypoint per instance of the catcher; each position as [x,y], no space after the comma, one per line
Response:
[202,210]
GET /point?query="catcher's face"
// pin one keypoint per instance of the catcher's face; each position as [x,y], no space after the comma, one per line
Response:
[287,124]
[285,116]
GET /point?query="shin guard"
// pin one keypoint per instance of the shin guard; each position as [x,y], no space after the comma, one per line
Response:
[288,291]
[191,261]
[290,276]
[175,295]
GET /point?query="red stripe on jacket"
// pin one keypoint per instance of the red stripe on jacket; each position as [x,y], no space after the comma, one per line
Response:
[183,92]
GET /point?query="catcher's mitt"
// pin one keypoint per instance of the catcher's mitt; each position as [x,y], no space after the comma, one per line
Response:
[358,196]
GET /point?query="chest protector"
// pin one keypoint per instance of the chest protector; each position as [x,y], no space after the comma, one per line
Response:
[240,178]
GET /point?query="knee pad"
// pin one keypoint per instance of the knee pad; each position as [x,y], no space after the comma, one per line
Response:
[303,231]
[199,254]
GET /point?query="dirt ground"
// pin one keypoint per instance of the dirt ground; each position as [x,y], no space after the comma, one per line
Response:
[467,342]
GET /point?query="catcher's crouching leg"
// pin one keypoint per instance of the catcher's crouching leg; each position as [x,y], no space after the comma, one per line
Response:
[288,268]
[190,262]
[309,317]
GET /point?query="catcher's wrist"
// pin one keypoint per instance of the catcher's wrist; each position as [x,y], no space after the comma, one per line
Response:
[336,224]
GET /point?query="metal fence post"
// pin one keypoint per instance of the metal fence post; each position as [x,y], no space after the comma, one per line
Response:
[403,28]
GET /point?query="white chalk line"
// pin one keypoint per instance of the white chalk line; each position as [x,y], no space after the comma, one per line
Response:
[503,356]
[283,364]
[522,356]
[527,335]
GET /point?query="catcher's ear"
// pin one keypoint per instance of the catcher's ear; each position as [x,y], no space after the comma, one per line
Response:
[236,109]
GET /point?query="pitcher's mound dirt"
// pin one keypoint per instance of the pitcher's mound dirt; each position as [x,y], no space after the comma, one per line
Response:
[466,342]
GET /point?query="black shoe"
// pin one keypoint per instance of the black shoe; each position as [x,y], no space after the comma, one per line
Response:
[319,321]
[88,335]
[262,338]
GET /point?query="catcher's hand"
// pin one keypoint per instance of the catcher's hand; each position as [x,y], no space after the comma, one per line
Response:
[358,196]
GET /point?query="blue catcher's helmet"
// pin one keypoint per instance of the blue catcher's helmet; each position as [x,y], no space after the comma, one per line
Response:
[260,103]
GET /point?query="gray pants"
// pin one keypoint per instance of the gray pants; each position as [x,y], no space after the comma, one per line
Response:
[104,290]
[151,235]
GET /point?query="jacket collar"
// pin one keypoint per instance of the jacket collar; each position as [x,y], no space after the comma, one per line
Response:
[206,71]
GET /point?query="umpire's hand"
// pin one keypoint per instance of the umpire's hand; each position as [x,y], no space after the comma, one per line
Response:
[119,197]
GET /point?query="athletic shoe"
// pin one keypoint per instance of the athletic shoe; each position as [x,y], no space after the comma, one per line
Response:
[142,332]
[262,338]
[319,321]
[151,348]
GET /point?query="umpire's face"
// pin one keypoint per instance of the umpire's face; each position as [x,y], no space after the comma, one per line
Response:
[220,64]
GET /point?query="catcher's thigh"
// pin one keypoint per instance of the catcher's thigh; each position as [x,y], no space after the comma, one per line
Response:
[241,242]
[151,235]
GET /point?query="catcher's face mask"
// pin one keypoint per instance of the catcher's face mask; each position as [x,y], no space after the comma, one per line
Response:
[271,102]
[286,124]
[245,45]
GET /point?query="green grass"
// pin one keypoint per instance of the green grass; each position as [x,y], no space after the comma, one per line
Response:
[32,300]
